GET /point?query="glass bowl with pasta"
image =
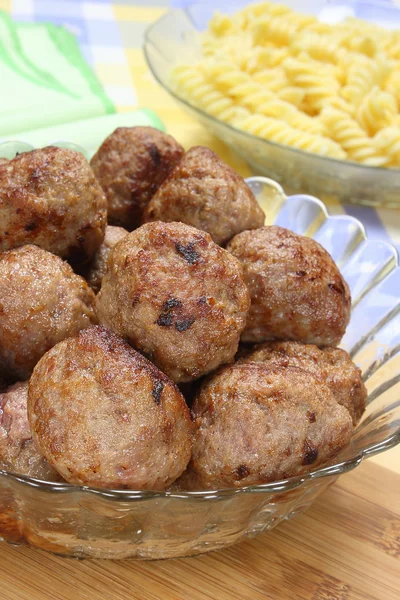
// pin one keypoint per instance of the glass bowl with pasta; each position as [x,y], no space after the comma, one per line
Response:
[307,92]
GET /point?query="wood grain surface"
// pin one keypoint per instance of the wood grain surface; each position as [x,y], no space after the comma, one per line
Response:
[346,547]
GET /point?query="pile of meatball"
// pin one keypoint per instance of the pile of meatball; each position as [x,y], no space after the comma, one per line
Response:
[154,333]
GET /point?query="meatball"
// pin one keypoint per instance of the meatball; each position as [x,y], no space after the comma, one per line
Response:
[103,415]
[206,193]
[50,197]
[297,292]
[98,265]
[42,302]
[333,366]
[18,453]
[177,297]
[130,165]
[244,432]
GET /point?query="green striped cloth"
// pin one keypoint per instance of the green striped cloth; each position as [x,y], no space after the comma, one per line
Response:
[44,79]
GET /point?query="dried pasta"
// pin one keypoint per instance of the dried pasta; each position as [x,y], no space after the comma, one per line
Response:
[333,90]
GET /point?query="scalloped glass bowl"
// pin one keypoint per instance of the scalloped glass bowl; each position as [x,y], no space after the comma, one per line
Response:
[83,522]
[175,37]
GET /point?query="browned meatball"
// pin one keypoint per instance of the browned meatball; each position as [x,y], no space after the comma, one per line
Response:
[255,424]
[297,291]
[18,453]
[206,193]
[103,415]
[42,302]
[130,165]
[331,365]
[177,297]
[98,265]
[50,197]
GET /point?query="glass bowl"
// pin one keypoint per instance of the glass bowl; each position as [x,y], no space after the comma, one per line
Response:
[84,522]
[175,38]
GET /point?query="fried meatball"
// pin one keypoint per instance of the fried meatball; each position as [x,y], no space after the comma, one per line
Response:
[50,197]
[297,292]
[98,265]
[18,453]
[333,366]
[244,418]
[42,302]
[177,297]
[206,193]
[130,165]
[103,415]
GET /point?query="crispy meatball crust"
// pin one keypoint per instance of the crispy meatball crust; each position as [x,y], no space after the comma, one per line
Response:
[42,302]
[98,265]
[206,193]
[130,165]
[18,453]
[333,366]
[177,297]
[297,292]
[103,415]
[244,433]
[51,198]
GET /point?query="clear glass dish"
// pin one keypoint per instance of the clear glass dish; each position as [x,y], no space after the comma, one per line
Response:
[175,37]
[84,522]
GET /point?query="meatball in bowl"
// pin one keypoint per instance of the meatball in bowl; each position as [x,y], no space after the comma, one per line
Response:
[333,366]
[130,165]
[297,291]
[175,296]
[244,434]
[208,194]
[103,415]
[50,197]
[42,302]
[96,269]
[18,452]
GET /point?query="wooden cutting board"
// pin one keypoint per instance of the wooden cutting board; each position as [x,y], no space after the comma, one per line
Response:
[346,547]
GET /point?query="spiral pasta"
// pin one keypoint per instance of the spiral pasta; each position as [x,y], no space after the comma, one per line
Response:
[387,141]
[352,138]
[333,90]
[278,131]
[206,95]
[377,110]
[363,75]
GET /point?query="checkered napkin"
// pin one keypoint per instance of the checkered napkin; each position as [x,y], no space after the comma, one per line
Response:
[109,35]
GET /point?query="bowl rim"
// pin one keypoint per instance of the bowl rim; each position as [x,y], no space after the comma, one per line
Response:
[361,169]
[274,487]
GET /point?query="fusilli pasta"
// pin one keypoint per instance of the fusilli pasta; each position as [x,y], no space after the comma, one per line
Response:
[377,110]
[286,77]
[348,133]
